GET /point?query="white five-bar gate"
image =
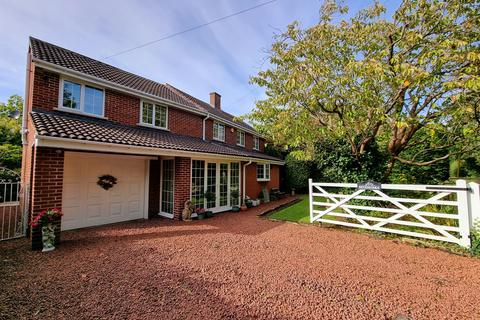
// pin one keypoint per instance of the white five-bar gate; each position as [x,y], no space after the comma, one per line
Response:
[13,210]
[437,212]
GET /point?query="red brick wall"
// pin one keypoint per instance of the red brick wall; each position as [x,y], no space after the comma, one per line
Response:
[262,145]
[230,137]
[122,108]
[182,185]
[185,123]
[45,89]
[253,187]
[248,142]
[154,189]
[209,129]
[47,185]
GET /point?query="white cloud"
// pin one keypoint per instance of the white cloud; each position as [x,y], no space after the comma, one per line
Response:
[220,57]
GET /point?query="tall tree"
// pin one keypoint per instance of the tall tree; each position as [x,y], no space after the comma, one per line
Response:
[10,136]
[404,82]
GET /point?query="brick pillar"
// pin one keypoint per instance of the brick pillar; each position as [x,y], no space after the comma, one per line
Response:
[182,185]
[46,188]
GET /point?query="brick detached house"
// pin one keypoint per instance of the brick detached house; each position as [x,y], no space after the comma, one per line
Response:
[85,119]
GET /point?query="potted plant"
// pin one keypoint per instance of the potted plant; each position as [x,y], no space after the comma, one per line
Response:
[210,197]
[249,203]
[200,213]
[47,220]
[234,194]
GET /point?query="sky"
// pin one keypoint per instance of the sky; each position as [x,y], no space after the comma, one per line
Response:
[220,57]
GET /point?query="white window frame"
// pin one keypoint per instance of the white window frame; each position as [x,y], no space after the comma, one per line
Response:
[217,207]
[256,143]
[213,133]
[240,142]
[161,213]
[82,111]
[265,166]
[152,125]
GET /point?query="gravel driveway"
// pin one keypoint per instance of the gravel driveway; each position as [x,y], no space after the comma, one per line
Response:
[234,266]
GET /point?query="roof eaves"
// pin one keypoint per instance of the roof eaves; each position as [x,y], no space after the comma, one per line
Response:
[245,127]
[67,71]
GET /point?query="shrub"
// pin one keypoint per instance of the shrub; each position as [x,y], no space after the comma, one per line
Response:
[334,162]
[297,173]
[475,238]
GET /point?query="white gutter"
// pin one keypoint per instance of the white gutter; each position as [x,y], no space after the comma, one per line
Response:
[26,101]
[115,86]
[112,85]
[244,181]
[204,121]
[85,145]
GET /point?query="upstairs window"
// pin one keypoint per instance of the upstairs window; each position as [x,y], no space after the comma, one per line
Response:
[82,98]
[241,138]
[218,131]
[263,172]
[256,143]
[154,115]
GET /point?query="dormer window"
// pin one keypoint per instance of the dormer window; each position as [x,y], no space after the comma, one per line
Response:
[154,115]
[218,131]
[76,96]
[240,138]
[256,143]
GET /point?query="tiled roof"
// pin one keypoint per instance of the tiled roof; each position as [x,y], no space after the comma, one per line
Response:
[51,53]
[71,60]
[64,125]
[207,107]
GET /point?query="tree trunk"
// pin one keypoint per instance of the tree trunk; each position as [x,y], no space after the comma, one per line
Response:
[391,164]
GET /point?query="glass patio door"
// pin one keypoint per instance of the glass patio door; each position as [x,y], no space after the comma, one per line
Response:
[218,178]
[223,186]
[212,183]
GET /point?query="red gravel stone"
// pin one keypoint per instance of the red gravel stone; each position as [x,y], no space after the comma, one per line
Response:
[233,266]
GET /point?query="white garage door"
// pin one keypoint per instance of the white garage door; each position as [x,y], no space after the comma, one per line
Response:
[87,204]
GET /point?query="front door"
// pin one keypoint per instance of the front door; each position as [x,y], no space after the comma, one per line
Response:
[167,185]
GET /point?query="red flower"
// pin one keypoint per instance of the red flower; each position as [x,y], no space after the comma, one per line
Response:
[46,216]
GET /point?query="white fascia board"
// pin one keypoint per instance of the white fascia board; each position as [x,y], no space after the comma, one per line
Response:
[233,124]
[85,145]
[140,94]
[112,85]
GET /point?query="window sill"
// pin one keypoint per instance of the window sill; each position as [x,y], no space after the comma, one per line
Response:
[263,180]
[241,145]
[255,149]
[218,139]
[73,111]
[151,126]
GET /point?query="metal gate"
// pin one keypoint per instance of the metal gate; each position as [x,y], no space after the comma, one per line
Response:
[444,213]
[13,209]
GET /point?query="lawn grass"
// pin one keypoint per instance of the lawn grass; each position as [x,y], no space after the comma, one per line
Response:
[298,212]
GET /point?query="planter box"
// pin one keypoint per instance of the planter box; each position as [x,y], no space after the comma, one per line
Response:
[255,203]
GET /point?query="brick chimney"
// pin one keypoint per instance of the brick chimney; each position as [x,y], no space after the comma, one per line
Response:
[215,100]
